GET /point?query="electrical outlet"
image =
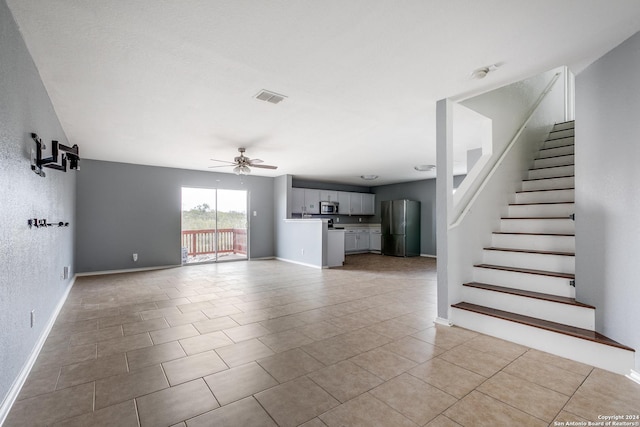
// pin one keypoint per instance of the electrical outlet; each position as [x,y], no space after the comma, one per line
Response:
[302,251]
[359,219]
[255,213]
[33,318]
[135,257]
[337,219]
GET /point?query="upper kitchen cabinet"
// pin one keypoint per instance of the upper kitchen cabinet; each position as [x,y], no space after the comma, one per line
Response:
[328,196]
[356,203]
[305,201]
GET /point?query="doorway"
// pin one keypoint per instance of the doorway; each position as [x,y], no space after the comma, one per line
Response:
[214,225]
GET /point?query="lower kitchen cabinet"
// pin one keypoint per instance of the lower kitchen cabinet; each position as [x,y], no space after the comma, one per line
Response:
[356,241]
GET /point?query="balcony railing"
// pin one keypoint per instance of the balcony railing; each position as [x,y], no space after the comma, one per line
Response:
[202,242]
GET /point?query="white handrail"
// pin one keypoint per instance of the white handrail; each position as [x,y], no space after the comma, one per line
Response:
[495,166]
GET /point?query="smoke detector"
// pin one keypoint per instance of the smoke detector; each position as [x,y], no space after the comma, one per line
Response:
[268,96]
[482,72]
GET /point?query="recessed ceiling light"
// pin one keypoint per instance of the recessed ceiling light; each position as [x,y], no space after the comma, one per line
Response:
[369,177]
[424,168]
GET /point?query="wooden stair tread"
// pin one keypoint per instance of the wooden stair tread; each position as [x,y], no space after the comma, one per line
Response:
[528,251]
[546,189]
[542,203]
[554,177]
[528,294]
[528,271]
[536,217]
[559,146]
[554,157]
[550,167]
[542,324]
[536,234]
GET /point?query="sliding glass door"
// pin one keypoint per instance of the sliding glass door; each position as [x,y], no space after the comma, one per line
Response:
[214,225]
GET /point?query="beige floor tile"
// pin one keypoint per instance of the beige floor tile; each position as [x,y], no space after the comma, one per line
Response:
[121,415]
[392,329]
[175,404]
[194,306]
[173,334]
[365,411]
[137,308]
[118,320]
[448,377]
[531,398]
[485,364]
[321,330]
[205,342]
[331,350]
[566,418]
[383,364]
[345,380]
[351,322]
[614,386]
[560,362]
[41,379]
[169,303]
[416,400]
[445,337]
[243,352]
[120,388]
[191,367]
[144,326]
[220,311]
[91,337]
[315,422]
[589,403]
[282,324]
[244,413]
[123,344]
[363,340]
[295,402]
[289,365]
[67,356]
[502,348]
[414,349]
[68,329]
[49,408]
[549,376]
[185,318]
[286,340]
[84,372]
[154,355]
[237,383]
[442,421]
[246,332]
[214,325]
[160,312]
[417,321]
[478,409]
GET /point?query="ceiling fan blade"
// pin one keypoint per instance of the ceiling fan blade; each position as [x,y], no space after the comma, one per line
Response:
[253,161]
[264,166]
[223,161]
[221,166]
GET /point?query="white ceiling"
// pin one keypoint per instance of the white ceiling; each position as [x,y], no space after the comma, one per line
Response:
[171,83]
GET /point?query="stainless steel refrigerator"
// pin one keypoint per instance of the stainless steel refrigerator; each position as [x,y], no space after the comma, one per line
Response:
[400,227]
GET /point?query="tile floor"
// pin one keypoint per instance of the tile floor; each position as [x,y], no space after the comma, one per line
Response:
[266,343]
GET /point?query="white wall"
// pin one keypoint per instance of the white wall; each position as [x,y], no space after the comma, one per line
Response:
[508,108]
[607,194]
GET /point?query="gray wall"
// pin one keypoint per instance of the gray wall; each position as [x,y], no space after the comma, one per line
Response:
[31,259]
[124,209]
[423,191]
[607,196]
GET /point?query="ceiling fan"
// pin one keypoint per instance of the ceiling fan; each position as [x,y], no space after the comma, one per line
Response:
[242,163]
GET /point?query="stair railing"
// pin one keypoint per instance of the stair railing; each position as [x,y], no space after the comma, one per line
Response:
[467,207]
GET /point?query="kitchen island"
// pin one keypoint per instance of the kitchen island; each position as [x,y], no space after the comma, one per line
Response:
[310,242]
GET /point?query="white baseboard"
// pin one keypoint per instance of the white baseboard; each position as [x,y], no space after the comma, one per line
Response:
[126,270]
[262,258]
[442,321]
[634,376]
[428,256]
[299,263]
[15,388]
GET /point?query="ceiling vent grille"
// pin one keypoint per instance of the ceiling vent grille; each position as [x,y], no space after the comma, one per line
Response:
[272,97]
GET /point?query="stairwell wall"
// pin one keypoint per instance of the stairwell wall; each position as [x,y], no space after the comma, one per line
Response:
[607,196]
[508,107]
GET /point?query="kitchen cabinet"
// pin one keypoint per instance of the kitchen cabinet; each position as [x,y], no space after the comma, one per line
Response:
[356,241]
[375,241]
[305,201]
[344,201]
[368,204]
[355,207]
[328,196]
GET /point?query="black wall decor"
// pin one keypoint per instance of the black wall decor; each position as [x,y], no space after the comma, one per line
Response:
[70,156]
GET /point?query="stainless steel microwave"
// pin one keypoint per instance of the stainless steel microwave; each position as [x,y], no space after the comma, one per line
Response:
[329,208]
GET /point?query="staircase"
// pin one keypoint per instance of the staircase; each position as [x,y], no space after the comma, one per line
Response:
[524,290]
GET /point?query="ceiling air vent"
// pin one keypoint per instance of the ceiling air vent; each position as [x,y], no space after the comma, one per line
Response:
[272,97]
